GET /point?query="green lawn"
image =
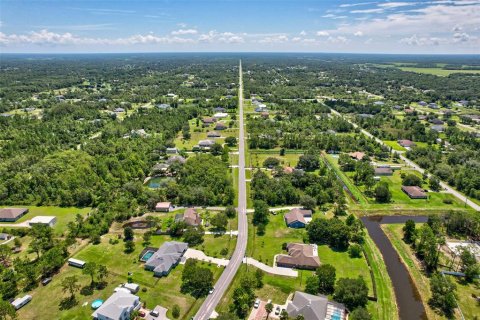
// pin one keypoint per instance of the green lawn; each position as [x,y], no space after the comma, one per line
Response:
[164,291]
[264,248]
[64,215]
[394,145]
[288,160]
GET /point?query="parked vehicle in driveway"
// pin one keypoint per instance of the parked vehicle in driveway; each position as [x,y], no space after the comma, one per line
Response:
[277,310]
[257,303]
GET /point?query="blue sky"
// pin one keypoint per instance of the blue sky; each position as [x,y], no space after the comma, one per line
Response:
[433,26]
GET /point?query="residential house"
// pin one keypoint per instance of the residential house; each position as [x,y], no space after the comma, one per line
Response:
[379,103]
[213,134]
[118,110]
[414,192]
[409,111]
[45,220]
[163,207]
[220,115]
[219,109]
[205,144]
[190,217]
[209,120]
[220,126]
[12,214]
[118,306]
[406,143]
[383,171]
[436,121]
[166,258]
[174,159]
[296,218]
[438,128]
[422,103]
[357,155]
[301,256]
[172,150]
[315,307]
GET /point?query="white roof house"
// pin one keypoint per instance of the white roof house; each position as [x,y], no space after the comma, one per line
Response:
[118,306]
[133,287]
[47,220]
[219,115]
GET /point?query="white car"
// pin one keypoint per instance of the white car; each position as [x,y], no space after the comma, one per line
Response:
[211,291]
[257,303]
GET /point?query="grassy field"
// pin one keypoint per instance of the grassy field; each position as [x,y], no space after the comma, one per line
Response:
[333,162]
[163,291]
[64,215]
[264,248]
[256,159]
[468,304]
[436,71]
[394,145]
[385,308]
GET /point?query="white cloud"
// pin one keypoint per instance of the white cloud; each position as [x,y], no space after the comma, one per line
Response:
[391,5]
[461,37]
[358,34]
[323,33]
[274,39]
[303,33]
[184,31]
[346,5]
[377,10]
[333,16]
[337,39]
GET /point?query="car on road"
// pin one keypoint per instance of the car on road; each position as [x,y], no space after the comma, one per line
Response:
[257,303]
[211,290]
[277,310]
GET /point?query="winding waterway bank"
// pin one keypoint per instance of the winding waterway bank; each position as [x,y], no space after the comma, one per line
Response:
[408,299]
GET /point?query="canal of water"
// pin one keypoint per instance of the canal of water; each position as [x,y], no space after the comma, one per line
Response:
[410,306]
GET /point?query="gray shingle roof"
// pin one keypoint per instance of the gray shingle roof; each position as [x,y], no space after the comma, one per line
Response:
[168,255]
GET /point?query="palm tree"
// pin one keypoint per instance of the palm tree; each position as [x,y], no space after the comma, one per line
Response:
[269,308]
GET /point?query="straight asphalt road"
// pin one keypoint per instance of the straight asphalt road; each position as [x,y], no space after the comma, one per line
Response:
[412,164]
[226,278]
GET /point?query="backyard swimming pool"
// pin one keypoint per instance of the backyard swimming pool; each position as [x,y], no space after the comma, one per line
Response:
[147,255]
[97,303]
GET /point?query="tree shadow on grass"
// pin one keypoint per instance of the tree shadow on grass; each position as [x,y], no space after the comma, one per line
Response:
[87,290]
[68,303]
[101,285]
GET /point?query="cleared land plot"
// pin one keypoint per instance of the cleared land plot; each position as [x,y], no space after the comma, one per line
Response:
[437,71]
[64,215]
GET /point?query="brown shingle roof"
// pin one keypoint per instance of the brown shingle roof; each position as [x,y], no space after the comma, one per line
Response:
[191,217]
[406,143]
[297,215]
[414,192]
[383,171]
[299,256]
[12,213]
[357,155]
